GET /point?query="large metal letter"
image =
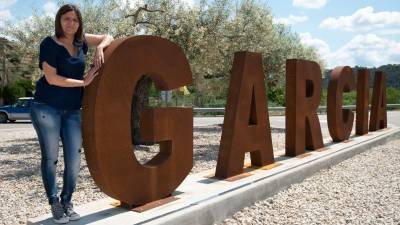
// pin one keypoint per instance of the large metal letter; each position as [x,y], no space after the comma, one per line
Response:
[362,102]
[107,121]
[246,123]
[340,121]
[303,94]
[378,118]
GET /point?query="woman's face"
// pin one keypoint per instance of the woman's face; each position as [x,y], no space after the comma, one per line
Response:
[70,23]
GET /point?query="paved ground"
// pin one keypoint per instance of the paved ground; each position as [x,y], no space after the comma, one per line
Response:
[16,125]
[275,121]
[279,121]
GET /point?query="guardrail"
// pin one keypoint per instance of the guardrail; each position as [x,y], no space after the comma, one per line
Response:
[282,109]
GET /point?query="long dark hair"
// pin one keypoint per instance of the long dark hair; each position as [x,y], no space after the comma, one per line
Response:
[58,29]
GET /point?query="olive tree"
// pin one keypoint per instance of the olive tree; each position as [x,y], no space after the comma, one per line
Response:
[209,33]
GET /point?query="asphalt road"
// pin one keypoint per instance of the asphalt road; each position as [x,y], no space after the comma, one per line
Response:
[279,121]
[275,121]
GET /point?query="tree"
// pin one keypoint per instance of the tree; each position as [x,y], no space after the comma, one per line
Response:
[9,65]
[208,33]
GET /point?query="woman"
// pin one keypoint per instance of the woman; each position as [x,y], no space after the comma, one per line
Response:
[56,111]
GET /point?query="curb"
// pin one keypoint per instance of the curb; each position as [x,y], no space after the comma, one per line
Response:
[225,205]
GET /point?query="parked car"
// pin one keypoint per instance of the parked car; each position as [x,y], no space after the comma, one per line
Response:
[20,110]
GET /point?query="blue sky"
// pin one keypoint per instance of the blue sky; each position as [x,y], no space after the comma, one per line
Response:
[345,32]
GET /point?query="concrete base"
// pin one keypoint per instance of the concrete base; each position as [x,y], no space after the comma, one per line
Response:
[204,200]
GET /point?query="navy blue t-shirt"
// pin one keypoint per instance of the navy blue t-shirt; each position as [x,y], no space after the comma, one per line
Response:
[57,56]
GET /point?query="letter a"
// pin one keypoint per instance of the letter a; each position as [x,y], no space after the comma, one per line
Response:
[246,123]
[378,118]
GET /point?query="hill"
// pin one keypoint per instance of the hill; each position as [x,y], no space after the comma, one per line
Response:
[392,72]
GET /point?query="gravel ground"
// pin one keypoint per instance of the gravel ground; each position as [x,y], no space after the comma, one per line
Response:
[364,189]
[22,194]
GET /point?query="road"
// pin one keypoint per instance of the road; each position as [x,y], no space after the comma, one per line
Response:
[275,121]
[279,121]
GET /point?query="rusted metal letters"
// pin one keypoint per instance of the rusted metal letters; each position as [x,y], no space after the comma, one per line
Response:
[362,102]
[340,121]
[378,118]
[107,117]
[246,122]
[303,95]
[107,122]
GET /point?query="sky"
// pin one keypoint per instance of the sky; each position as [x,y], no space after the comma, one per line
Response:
[344,32]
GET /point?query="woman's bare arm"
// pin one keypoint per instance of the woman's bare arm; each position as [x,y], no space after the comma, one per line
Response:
[101,42]
[53,78]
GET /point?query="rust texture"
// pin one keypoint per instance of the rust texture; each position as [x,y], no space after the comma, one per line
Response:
[303,95]
[107,122]
[153,205]
[362,102]
[378,118]
[246,123]
[340,121]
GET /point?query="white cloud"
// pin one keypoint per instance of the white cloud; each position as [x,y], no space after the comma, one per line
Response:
[50,8]
[388,32]
[132,3]
[364,19]
[291,20]
[363,50]
[190,3]
[5,4]
[321,46]
[135,3]
[368,50]
[5,13]
[309,4]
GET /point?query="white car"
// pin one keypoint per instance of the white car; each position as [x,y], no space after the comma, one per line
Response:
[20,110]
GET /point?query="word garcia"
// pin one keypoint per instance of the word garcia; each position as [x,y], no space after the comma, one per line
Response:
[107,117]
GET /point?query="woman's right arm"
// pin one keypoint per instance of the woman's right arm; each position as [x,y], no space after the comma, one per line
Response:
[53,78]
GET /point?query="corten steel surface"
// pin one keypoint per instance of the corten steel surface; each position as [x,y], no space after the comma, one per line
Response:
[154,204]
[362,102]
[107,121]
[378,118]
[246,122]
[303,95]
[340,121]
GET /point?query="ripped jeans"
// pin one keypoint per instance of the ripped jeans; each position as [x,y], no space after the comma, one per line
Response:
[51,124]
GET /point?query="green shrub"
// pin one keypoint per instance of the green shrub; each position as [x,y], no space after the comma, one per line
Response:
[12,92]
[27,85]
[393,96]
[276,95]
[20,88]
[153,91]
[349,98]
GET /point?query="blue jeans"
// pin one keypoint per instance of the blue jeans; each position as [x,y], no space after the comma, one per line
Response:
[51,124]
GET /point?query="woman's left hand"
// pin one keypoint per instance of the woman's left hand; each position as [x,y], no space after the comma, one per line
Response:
[99,57]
